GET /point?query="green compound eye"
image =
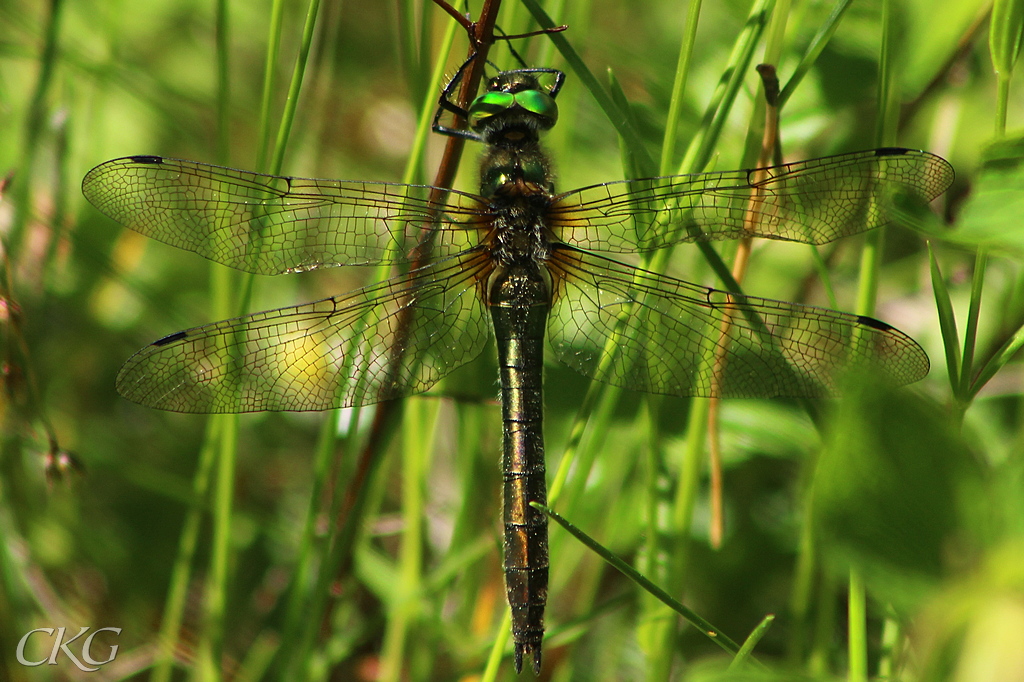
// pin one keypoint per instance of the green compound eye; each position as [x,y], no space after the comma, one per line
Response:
[540,103]
[488,105]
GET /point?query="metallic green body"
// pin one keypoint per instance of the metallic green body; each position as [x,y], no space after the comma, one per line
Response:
[519,304]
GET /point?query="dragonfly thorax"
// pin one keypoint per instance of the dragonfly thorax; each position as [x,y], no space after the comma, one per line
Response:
[521,239]
[517,184]
[515,171]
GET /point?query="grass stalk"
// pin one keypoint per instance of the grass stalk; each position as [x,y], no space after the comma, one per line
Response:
[1006,35]
[750,643]
[417,430]
[856,615]
[336,554]
[294,88]
[696,158]
[814,50]
[181,572]
[222,279]
[867,292]
[712,632]
[211,651]
[36,119]
[973,319]
[267,93]
[675,105]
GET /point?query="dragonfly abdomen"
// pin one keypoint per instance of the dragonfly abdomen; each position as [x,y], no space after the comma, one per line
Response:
[519,303]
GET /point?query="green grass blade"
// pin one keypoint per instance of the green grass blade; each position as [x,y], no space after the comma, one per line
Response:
[999,360]
[292,102]
[856,619]
[675,106]
[267,93]
[616,115]
[736,69]
[752,640]
[947,323]
[497,651]
[710,631]
[211,648]
[1006,33]
[867,294]
[181,572]
[222,283]
[821,267]
[36,119]
[429,104]
[418,423]
[973,319]
[814,49]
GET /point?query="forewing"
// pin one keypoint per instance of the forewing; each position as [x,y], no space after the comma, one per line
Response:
[392,339]
[268,224]
[814,202]
[646,332]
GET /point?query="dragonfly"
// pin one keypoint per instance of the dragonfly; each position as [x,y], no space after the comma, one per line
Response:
[515,262]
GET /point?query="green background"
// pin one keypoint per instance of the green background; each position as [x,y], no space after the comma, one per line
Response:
[918,494]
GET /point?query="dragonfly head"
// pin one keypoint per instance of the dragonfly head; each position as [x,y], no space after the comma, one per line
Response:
[516,108]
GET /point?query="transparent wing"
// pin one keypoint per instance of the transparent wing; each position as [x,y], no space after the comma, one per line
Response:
[664,336]
[813,201]
[267,224]
[391,339]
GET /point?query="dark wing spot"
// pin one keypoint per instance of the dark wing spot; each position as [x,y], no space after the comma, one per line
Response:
[170,338]
[147,159]
[891,151]
[872,322]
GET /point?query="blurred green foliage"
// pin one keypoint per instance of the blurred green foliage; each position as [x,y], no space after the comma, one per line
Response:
[920,493]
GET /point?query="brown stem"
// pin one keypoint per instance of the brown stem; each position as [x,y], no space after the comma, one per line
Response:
[769,148]
[481,37]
